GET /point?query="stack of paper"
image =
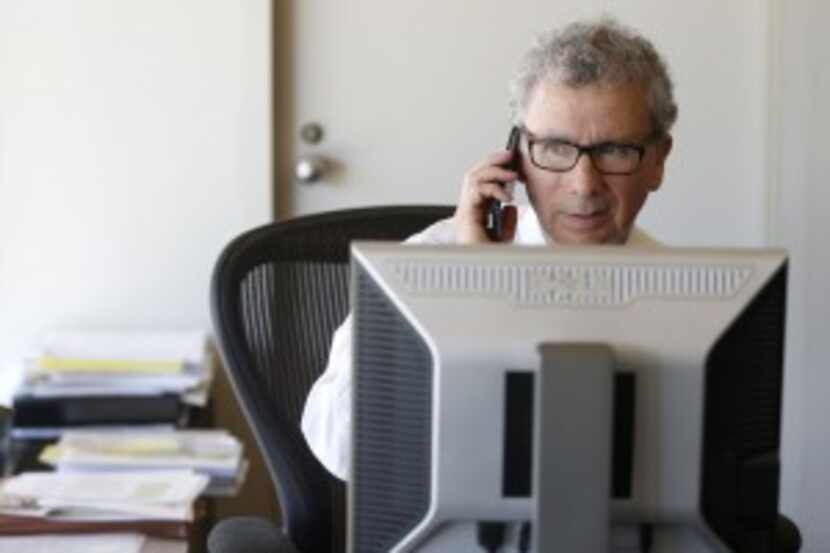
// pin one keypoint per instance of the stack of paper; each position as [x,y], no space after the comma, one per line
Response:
[124,496]
[50,375]
[105,543]
[215,453]
[105,378]
[108,363]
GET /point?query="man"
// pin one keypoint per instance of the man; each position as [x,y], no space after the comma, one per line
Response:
[593,105]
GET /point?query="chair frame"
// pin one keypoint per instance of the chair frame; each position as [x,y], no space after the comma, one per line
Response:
[307,493]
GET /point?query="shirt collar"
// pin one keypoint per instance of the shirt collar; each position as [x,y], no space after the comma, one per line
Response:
[529,232]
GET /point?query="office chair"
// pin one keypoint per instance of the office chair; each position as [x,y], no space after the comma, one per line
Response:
[278,293]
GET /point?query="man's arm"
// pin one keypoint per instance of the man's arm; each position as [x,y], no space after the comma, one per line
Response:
[327,415]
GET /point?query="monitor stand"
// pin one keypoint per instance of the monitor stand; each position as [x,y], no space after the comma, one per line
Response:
[573,434]
[573,412]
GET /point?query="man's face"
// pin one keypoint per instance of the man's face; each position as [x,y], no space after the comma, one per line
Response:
[583,206]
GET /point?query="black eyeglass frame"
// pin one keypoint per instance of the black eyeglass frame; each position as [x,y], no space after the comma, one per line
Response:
[590,149]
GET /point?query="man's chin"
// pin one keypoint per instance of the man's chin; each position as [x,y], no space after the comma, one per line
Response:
[595,237]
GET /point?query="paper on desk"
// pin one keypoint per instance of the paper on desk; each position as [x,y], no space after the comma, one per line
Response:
[78,364]
[11,375]
[214,452]
[165,346]
[40,384]
[87,543]
[53,432]
[55,364]
[161,495]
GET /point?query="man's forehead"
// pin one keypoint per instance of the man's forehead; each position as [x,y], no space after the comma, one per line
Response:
[610,110]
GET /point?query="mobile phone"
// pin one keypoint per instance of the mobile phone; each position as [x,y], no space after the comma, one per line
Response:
[493,225]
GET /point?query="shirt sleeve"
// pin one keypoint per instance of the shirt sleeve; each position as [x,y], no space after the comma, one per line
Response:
[327,414]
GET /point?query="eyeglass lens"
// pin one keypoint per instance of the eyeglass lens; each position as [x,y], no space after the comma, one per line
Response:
[557,155]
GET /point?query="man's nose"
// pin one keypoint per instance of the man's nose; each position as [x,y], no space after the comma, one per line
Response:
[585,179]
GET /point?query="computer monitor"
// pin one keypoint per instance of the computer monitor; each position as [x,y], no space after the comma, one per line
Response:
[450,345]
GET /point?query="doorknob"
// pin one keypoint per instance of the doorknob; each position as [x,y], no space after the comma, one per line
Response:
[309,169]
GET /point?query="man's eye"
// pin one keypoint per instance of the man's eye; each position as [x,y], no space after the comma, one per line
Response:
[611,149]
[557,148]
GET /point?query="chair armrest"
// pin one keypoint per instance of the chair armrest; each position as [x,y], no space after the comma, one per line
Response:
[248,535]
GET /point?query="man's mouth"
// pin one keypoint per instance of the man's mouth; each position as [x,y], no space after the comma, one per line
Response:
[585,220]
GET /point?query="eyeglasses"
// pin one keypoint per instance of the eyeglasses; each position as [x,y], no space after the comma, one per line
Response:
[609,158]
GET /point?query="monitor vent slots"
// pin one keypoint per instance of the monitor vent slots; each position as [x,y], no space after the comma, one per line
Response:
[572,284]
[392,420]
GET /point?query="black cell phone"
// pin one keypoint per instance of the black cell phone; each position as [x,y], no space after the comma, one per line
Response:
[494,226]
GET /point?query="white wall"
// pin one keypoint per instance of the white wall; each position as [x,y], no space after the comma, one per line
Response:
[800,195]
[134,143]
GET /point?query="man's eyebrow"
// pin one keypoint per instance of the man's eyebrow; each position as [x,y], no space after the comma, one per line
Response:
[554,136]
[557,137]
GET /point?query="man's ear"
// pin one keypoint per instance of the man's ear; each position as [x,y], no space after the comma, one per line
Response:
[661,151]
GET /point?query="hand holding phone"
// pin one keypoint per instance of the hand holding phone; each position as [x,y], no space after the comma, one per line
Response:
[479,217]
[495,222]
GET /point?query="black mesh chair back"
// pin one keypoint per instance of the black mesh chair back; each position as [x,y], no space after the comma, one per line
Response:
[277,295]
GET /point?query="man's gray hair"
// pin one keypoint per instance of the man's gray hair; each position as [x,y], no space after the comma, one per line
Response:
[600,51]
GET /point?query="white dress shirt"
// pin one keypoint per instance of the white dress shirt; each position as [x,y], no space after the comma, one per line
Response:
[327,415]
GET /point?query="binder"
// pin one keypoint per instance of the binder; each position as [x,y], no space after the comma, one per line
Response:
[51,412]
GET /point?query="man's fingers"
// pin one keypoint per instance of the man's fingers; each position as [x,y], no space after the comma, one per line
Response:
[494,173]
[499,157]
[482,184]
[493,190]
[489,183]
[502,157]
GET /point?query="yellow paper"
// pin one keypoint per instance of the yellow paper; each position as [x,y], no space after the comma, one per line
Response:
[137,446]
[134,447]
[49,363]
[50,455]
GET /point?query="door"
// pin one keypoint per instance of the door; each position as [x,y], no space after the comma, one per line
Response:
[409,94]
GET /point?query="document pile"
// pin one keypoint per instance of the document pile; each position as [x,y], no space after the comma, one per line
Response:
[111,378]
[85,543]
[215,454]
[157,502]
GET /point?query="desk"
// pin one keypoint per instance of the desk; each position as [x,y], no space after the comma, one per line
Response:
[157,545]
[257,496]
[24,456]
[150,545]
